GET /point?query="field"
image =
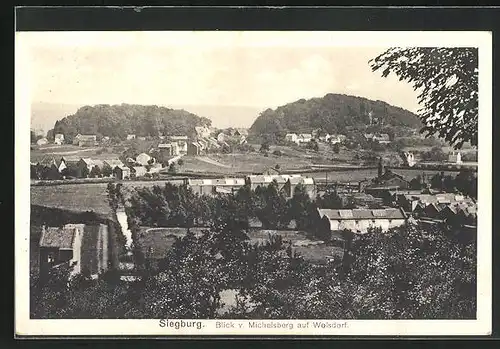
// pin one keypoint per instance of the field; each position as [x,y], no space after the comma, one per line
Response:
[80,197]
[71,152]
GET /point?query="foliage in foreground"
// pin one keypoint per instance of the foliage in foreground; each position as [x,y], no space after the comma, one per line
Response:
[407,273]
[447,82]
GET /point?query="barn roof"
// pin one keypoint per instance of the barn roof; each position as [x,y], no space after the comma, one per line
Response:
[61,238]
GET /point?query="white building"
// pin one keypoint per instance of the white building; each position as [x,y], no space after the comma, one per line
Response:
[59,139]
[455,157]
[181,141]
[360,220]
[291,137]
[202,131]
[409,158]
[130,137]
[304,138]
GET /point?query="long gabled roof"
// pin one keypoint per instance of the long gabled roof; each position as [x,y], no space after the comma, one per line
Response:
[358,214]
[61,238]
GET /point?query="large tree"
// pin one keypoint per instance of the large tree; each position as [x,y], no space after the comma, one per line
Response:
[447,82]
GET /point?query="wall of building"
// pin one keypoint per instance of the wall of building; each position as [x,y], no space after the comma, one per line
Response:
[363,225]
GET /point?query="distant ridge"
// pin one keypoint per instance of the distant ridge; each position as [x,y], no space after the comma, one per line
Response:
[332,113]
[44,115]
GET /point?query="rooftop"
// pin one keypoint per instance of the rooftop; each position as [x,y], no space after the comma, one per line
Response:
[387,213]
[58,237]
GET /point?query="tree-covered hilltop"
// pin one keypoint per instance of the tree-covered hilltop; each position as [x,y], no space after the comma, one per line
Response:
[123,119]
[331,113]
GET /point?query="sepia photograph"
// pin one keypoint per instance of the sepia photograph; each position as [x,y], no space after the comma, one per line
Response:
[253,182]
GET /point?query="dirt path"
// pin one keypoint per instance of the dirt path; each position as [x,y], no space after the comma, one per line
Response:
[213,162]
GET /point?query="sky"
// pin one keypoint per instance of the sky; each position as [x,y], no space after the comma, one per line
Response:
[252,69]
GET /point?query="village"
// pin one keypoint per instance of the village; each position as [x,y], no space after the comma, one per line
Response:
[386,201]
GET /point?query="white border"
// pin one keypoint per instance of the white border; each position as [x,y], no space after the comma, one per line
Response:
[482,40]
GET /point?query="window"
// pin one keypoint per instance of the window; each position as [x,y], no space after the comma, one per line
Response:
[50,258]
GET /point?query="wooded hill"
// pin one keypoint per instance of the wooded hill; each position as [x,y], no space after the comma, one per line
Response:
[121,120]
[332,113]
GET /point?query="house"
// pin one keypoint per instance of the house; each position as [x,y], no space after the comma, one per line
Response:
[256,181]
[386,181]
[84,246]
[110,164]
[228,185]
[143,159]
[61,165]
[182,142]
[85,140]
[201,186]
[202,131]
[168,149]
[455,157]
[418,203]
[90,163]
[409,159]
[130,137]
[212,143]
[382,138]
[291,137]
[221,137]
[59,245]
[304,138]
[360,220]
[293,182]
[138,171]
[49,168]
[368,136]
[59,139]
[334,139]
[203,144]
[42,141]
[121,172]
[193,148]
[338,138]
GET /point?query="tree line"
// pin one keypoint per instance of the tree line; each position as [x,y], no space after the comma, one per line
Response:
[333,113]
[117,121]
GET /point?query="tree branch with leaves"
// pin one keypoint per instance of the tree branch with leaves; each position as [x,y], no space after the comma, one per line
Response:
[447,82]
